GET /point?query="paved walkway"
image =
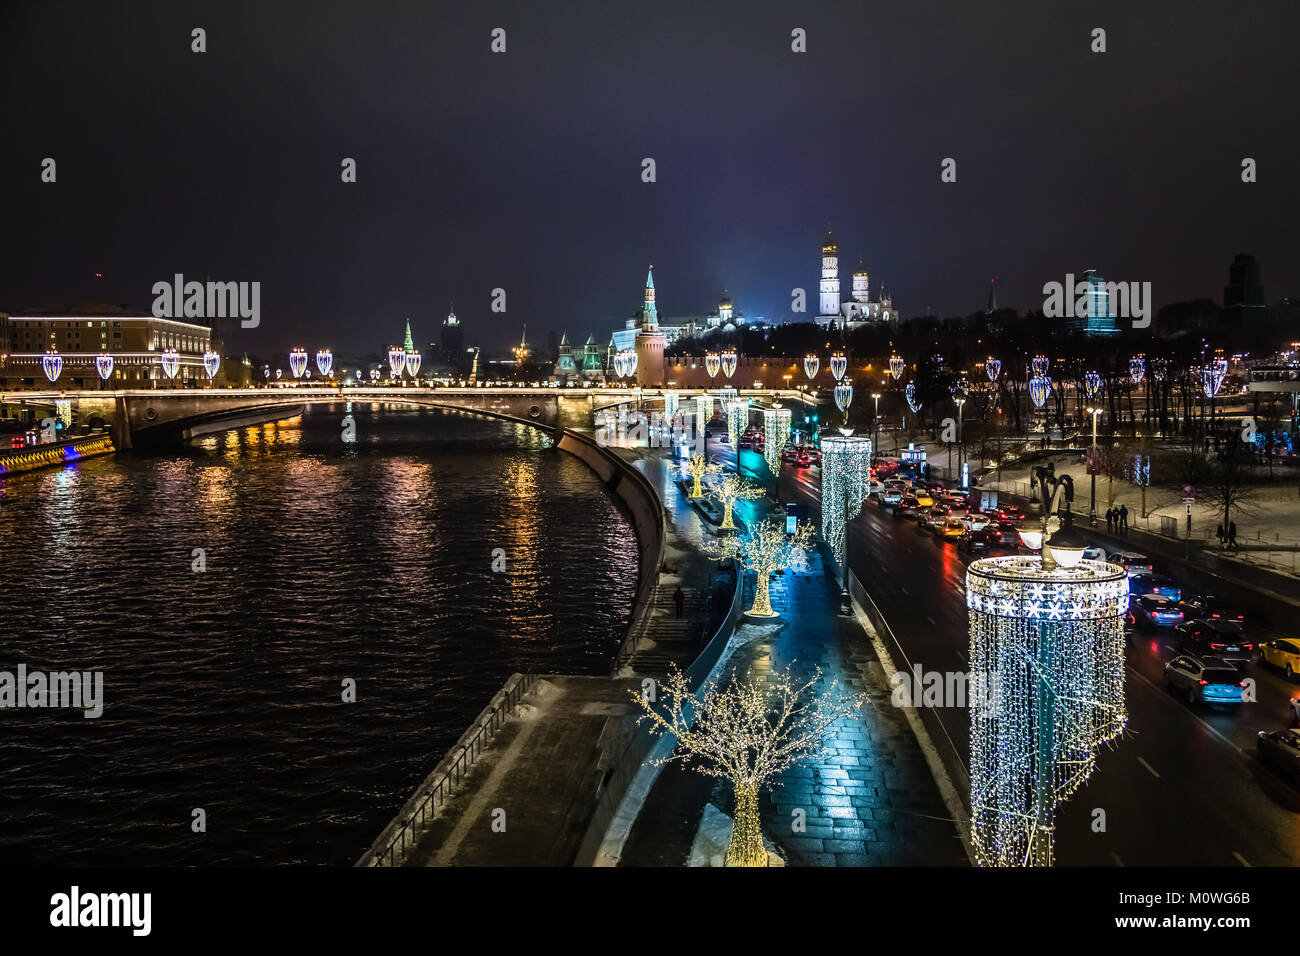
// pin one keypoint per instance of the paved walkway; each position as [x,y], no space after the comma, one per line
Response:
[869,801]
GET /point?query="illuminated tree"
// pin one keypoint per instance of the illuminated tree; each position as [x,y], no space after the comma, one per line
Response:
[697,469]
[731,489]
[765,550]
[748,732]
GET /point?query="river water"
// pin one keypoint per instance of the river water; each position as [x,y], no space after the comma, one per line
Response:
[325,562]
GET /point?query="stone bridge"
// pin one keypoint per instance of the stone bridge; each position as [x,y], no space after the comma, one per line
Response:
[167,415]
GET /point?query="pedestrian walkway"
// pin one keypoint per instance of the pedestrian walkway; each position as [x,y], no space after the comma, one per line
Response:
[667,639]
[869,800]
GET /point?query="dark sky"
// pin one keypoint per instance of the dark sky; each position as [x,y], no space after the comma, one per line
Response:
[522,170]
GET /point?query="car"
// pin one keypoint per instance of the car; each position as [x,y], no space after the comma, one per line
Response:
[979,542]
[952,528]
[923,499]
[802,460]
[1226,639]
[890,497]
[1094,554]
[1013,512]
[1213,608]
[1151,583]
[975,520]
[873,487]
[936,516]
[1283,653]
[1155,611]
[1132,562]
[1280,751]
[1205,680]
[908,505]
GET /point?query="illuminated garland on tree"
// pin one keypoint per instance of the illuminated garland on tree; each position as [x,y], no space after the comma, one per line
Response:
[1047,668]
[765,550]
[729,490]
[846,476]
[699,467]
[776,435]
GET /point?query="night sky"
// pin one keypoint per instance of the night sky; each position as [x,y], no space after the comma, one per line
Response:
[522,170]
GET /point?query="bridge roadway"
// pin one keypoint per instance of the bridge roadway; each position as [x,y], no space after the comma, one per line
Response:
[177,414]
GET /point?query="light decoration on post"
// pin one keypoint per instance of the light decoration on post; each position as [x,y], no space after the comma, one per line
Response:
[672,404]
[712,362]
[992,368]
[910,394]
[1137,367]
[839,365]
[729,360]
[776,435]
[325,362]
[620,364]
[374,375]
[846,477]
[1047,686]
[171,362]
[396,361]
[629,363]
[104,365]
[412,363]
[1091,384]
[52,364]
[811,365]
[960,390]
[737,418]
[298,362]
[1040,386]
[843,399]
[211,362]
[896,367]
[1212,377]
[1039,365]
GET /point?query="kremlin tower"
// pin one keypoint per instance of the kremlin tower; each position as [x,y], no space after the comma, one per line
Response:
[650,340]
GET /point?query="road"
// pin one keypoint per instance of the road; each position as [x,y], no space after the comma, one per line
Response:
[1180,788]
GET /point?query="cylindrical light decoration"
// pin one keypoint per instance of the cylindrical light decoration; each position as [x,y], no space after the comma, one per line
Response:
[672,402]
[1091,383]
[776,435]
[1212,377]
[1040,386]
[1046,690]
[811,364]
[52,363]
[211,362]
[712,362]
[704,409]
[1040,365]
[412,363]
[324,362]
[171,362]
[1137,367]
[909,392]
[846,475]
[737,419]
[104,365]
[895,366]
[298,362]
[729,359]
[396,361]
[992,368]
[839,365]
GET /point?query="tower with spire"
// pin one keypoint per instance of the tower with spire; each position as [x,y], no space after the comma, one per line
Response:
[650,341]
[991,305]
[408,344]
[453,339]
[830,281]
[523,351]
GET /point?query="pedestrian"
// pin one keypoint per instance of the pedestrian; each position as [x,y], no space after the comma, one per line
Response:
[679,599]
[1232,534]
[1219,533]
[1123,520]
[1110,520]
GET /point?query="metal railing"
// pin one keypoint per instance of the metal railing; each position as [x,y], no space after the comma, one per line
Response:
[390,847]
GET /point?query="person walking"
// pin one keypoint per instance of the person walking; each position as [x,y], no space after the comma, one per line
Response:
[679,599]
[1123,520]
[1110,520]
[1232,535]
[1219,533]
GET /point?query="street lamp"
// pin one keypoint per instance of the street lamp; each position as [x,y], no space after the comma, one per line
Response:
[1092,467]
[875,424]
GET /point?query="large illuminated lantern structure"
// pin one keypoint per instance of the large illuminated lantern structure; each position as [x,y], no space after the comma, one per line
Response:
[1047,676]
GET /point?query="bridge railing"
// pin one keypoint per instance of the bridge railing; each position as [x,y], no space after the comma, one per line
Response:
[391,846]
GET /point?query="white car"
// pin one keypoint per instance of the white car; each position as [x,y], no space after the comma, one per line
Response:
[890,496]
[1094,554]
[873,487]
[1133,562]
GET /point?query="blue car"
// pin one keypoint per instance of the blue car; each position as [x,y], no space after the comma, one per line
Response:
[1204,680]
[1148,583]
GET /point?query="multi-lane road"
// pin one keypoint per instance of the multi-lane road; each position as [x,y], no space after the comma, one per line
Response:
[1182,787]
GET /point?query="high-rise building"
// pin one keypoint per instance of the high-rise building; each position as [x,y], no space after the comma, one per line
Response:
[1244,290]
[453,339]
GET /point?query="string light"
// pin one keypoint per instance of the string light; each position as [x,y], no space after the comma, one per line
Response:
[737,418]
[811,364]
[839,365]
[1047,661]
[992,368]
[730,489]
[910,394]
[325,362]
[896,367]
[211,362]
[171,362]
[846,477]
[1040,386]
[776,435]
[765,550]
[698,467]
[672,403]
[396,361]
[1136,369]
[704,410]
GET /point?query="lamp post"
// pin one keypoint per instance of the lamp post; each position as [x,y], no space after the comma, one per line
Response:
[961,447]
[875,424]
[1092,468]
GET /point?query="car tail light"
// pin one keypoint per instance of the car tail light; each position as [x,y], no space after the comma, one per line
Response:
[1249,647]
[1241,683]
[1204,683]
[1216,647]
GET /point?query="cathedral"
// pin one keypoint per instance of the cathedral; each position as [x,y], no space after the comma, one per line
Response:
[857,311]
